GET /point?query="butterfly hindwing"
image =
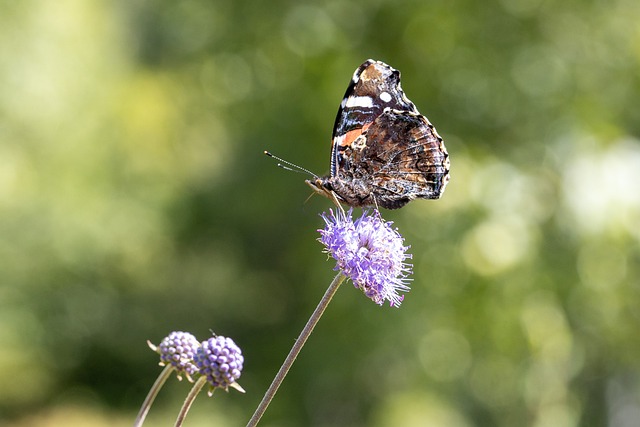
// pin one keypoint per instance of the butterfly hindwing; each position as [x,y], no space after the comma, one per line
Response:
[398,158]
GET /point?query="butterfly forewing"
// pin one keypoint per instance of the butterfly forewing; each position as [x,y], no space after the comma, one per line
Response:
[373,87]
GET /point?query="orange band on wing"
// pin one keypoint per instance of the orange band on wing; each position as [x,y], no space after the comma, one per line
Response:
[346,139]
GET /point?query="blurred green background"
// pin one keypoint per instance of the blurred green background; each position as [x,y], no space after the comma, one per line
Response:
[135,200]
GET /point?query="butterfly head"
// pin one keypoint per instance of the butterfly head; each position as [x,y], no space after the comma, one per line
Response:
[321,186]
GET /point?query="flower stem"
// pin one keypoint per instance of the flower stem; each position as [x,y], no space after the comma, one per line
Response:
[146,405]
[189,400]
[295,350]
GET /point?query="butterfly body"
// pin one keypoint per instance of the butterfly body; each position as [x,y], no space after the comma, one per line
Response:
[384,152]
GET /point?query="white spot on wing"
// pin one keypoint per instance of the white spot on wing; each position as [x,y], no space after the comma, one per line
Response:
[360,143]
[356,76]
[385,97]
[359,101]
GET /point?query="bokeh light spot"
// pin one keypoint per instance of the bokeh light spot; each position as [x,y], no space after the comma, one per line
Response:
[308,30]
[496,245]
[445,354]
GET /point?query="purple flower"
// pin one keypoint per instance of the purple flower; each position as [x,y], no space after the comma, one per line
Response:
[369,252]
[178,350]
[220,360]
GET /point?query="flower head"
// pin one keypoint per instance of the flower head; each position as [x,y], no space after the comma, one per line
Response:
[220,360]
[178,349]
[369,252]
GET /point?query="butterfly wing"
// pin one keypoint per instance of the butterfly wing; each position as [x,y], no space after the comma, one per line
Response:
[373,87]
[398,158]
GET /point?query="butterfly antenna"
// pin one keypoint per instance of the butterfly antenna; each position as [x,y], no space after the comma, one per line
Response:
[290,166]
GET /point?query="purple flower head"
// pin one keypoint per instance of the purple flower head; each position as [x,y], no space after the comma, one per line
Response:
[178,350]
[369,252]
[220,360]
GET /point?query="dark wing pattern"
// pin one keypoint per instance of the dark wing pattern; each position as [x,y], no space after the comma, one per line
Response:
[373,87]
[398,158]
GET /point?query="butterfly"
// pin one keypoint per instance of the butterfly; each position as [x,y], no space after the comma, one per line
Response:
[384,153]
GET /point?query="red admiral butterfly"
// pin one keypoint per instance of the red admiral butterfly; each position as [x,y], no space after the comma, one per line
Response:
[384,152]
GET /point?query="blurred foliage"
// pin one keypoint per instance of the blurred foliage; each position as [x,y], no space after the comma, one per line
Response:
[135,200]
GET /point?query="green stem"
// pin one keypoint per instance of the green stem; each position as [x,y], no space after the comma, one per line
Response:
[189,400]
[295,350]
[146,405]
